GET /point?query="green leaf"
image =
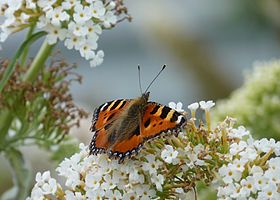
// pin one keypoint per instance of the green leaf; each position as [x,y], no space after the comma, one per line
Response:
[21,175]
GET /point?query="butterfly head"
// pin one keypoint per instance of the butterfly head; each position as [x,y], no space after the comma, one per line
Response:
[143,100]
[145,96]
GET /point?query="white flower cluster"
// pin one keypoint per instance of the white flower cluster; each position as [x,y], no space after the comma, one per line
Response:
[253,171]
[77,23]
[171,166]
[97,177]
[45,185]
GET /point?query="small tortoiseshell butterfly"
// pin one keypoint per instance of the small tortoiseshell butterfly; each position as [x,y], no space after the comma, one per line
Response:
[120,127]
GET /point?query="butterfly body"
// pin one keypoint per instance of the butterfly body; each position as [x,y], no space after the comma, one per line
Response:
[124,125]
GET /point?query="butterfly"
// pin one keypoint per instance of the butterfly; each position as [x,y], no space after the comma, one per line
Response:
[120,127]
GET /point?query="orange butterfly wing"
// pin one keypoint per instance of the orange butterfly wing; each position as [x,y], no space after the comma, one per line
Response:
[159,119]
[102,116]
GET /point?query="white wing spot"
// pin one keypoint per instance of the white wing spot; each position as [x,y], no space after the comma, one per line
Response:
[103,106]
[179,119]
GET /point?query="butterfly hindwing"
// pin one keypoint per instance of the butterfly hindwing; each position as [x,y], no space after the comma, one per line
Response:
[158,119]
[102,117]
[127,147]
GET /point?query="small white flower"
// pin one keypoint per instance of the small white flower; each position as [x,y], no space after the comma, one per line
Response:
[248,185]
[144,192]
[274,163]
[226,191]
[237,193]
[236,148]
[81,14]
[272,175]
[230,173]
[31,4]
[23,17]
[70,195]
[151,165]
[77,29]
[256,170]
[169,154]
[206,105]
[239,164]
[37,194]
[73,41]
[86,50]
[111,5]
[55,33]
[42,22]
[47,184]
[250,153]
[97,9]
[95,194]
[93,181]
[114,194]
[239,132]
[93,29]
[193,107]
[4,34]
[176,106]
[14,5]
[158,181]
[109,19]
[50,187]
[130,195]
[108,183]
[97,59]
[265,145]
[277,148]
[260,181]
[73,178]
[45,4]
[57,15]
[68,4]
[269,192]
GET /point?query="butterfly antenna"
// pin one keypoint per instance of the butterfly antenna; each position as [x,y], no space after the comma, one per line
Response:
[163,67]
[139,79]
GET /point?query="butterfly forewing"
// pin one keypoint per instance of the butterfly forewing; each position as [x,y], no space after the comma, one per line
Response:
[102,118]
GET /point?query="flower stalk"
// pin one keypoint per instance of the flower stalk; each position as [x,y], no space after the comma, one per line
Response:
[39,61]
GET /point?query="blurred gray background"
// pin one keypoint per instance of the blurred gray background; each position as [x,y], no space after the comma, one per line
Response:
[206,44]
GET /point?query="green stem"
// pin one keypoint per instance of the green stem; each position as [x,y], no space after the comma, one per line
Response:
[26,49]
[6,121]
[208,120]
[38,61]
